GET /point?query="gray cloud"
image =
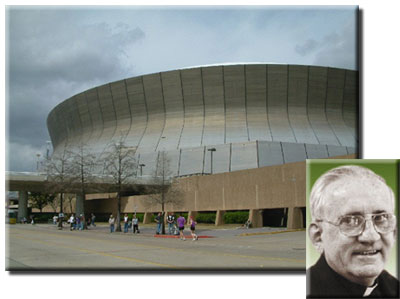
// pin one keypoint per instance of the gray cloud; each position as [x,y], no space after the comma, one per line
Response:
[54,53]
[339,49]
[47,64]
[307,47]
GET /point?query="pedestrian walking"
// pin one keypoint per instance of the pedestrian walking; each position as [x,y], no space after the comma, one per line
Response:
[55,219]
[111,222]
[158,220]
[181,225]
[135,224]
[92,219]
[77,222]
[192,224]
[171,222]
[82,222]
[71,221]
[126,223]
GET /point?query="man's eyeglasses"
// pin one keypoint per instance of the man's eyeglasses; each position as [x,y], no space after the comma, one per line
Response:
[354,225]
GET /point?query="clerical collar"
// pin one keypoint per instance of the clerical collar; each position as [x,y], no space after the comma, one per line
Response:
[354,289]
[369,290]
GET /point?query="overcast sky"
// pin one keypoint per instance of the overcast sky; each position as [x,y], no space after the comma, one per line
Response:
[54,53]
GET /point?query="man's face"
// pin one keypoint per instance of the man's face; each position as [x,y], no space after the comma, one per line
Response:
[362,258]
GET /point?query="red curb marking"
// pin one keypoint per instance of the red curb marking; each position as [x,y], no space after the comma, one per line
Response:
[177,237]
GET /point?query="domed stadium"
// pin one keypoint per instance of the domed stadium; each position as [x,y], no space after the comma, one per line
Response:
[247,126]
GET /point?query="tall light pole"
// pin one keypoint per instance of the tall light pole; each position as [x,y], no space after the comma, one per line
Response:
[48,149]
[212,150]
[141,169]
[37,163]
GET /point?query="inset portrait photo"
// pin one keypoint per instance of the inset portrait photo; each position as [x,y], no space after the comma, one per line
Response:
[352,228]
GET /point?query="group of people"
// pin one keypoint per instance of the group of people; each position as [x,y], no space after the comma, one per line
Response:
[77,222]
[177,225]
[127,224]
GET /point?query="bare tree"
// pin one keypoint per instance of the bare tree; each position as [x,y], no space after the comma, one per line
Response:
[59,179]
[119,167]
[57,170]
[81,173]
[162,189]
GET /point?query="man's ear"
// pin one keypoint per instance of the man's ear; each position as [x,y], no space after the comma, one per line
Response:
[314,233]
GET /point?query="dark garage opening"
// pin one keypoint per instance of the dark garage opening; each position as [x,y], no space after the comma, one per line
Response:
[303,213]
[275,217]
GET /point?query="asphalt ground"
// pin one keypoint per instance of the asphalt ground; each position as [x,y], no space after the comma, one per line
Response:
[226,248]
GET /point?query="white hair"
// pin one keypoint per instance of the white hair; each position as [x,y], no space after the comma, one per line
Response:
[319,196]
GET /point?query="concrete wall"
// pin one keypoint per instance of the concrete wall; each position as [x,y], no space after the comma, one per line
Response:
[280,186]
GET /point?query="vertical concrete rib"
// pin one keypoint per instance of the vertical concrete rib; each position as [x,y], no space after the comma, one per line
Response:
[184,114]
[277,104]
[214,121]
[165,115]
[138,108]
[224,97]
[256,100]
[287,102]
[108,114]
[350,101]
[235,106]
[245,102]
[316,105]
[156,112]
[297,104]
[204,105]
[122,110]
[192,91]
[95,114]
[334,106]
[173,105]
[75,119]
[84,114]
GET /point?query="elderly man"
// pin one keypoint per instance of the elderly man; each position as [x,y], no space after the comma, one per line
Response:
[353,228]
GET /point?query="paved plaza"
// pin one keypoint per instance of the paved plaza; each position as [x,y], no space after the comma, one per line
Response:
[44,247]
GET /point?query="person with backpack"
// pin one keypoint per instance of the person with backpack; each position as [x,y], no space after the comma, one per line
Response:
[171,222]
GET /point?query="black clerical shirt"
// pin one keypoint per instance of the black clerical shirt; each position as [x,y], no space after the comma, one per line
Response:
[323,282]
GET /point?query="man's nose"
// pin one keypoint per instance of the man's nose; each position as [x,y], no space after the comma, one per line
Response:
[369,234]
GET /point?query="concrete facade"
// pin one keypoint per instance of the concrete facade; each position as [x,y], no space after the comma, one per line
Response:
[256,190]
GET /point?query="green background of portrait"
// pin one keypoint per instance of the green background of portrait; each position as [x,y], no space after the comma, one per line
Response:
[388,169]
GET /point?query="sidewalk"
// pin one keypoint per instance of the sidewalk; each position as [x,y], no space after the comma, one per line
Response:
[202,230]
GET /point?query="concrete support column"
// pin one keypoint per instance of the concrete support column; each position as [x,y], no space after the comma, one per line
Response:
[255,216]
[22,205]
[80,204]
[295,219]
[219,218]
[147,218]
